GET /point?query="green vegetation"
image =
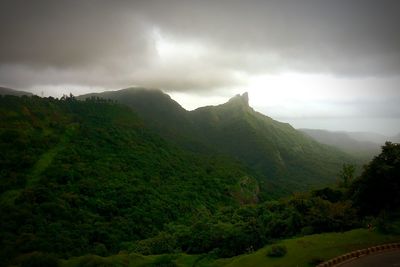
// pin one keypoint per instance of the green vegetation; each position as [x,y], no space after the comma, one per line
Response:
[378,187]
[88,183]
[282,159]
[346,175]
[301,251]
[306,250]
[38,259]
[277,251]
[88,177]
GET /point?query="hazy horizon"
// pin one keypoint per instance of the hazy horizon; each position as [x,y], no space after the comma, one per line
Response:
[314,64]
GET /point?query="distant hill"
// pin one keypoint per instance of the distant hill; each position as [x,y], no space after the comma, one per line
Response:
[347,142]
[285,159]
[369,137]
[8,91]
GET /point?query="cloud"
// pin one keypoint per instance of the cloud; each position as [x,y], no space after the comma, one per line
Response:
[344,54]
[69,34]
[342,37]
[211,44]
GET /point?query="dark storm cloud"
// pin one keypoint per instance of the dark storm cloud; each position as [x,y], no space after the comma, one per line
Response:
[68,33]
[347,37]
[77,42]
[112,43]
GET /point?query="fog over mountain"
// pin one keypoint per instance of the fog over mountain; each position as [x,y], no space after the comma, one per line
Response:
[316,64]
[8,91]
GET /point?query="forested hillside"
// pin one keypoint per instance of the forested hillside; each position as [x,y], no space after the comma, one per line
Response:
[90,177]
[83,176]
[285,159]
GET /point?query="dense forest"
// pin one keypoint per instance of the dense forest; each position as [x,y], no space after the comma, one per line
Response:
[91,177]
[284,159]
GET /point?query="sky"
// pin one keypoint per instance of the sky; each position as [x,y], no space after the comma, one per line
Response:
[313,63]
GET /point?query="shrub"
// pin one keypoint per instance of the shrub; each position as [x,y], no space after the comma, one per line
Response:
[162,243]
[164,261]
[277,251]
[39,259]
[100,249]
[388,223]
[308,230]
[94,261]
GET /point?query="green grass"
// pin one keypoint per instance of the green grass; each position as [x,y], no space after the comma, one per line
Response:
[300,252]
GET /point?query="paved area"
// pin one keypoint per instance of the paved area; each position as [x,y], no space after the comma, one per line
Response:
[384,259]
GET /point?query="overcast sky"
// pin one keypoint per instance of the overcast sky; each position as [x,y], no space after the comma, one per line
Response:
[313,63]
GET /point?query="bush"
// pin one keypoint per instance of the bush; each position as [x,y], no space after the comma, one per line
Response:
[95,261]
[164,261]
[388,223]
[277,251]
[308,230]
[100,249]
[39,259]
[160,244]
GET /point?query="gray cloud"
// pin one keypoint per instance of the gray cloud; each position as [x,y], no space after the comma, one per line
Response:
[111,43]
[69,34]
[199,49]
[347,37]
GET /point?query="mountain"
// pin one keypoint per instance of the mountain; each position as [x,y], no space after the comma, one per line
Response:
[94,177]
[278,151]
[159,111]
[285,159]
[8,91]
[346,142]
[369,137]
[79,176]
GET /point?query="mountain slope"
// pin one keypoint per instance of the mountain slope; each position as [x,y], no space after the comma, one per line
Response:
[368,137]
[77,176]
[159,111]
[285,159]
[8,91]
[345,142]
[278,151]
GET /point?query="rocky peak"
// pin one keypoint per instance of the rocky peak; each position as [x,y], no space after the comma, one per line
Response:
[240,99]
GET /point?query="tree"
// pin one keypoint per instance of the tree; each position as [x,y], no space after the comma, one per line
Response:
[346,175]
[379,185]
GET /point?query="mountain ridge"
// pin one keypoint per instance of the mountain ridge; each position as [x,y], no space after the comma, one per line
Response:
[9,91]
[284,157]
[346,142]
[97,177]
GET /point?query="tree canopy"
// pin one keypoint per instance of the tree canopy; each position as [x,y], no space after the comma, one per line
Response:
[378,187]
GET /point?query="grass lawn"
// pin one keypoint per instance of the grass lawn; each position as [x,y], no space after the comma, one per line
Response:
[301,252]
